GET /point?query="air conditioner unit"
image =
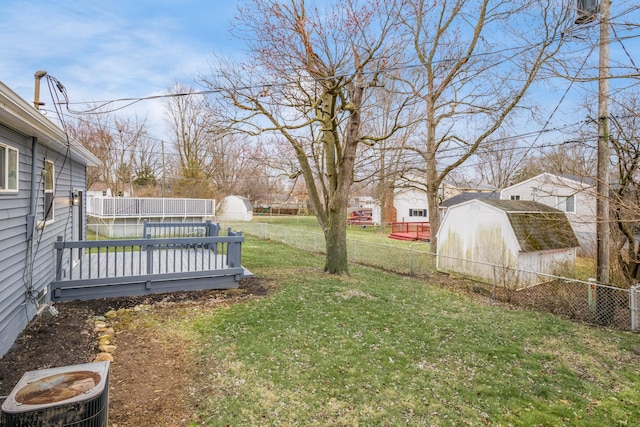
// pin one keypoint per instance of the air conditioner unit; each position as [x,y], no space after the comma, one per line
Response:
[68,396]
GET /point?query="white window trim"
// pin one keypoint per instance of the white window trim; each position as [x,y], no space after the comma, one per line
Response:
[413,212]
[52,191]
[562,200]
[6,169]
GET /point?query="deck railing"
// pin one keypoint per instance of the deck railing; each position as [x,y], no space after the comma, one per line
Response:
[180,229]
[112,268]
[119,207]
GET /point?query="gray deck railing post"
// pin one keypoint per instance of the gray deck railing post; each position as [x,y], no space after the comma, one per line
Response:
[230,249]
[234,250]
[148,247]
[59,245]
[238,250]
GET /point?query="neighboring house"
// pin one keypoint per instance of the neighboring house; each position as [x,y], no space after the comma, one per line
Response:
[576,196]
[99,189]
[505,240]
[42,189]
[361,202]
[466,196]
[411,203]
[235,208]
[449,189]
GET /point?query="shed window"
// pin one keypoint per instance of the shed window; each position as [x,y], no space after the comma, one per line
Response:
[8,169]
[49,185]
[515,197]
[567,203]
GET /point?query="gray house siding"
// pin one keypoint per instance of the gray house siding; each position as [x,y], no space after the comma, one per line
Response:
[15,207]
[25,277]
[27,266]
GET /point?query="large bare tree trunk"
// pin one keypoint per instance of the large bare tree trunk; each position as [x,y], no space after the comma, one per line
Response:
[305,85]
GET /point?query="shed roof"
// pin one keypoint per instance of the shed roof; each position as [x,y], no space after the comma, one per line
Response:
[537,227]
[247,203]
[469,195]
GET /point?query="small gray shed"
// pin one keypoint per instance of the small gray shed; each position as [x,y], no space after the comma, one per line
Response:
[485,238]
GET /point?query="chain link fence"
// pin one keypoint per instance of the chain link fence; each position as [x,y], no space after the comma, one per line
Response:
[579,300]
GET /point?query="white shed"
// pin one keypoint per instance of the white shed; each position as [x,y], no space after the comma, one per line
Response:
[235,208]
[488,238]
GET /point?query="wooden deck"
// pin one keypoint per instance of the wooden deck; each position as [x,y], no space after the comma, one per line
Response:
[114,268]
[410,231]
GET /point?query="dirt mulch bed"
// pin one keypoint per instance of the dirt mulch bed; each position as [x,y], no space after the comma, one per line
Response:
[149,378]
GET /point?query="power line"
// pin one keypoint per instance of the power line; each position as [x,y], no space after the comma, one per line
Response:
[518,50]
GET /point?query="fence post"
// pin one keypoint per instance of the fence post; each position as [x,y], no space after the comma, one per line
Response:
[633,303]
[411,256]
[495,282]
[411,260]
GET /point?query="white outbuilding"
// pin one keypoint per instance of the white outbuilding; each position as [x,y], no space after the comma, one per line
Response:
[505,240]
[235,208]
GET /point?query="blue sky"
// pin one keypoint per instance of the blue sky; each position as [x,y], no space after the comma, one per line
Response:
[101,50]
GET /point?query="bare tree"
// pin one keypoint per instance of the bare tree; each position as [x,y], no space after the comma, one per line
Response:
[469,82]
[129,135]
[498,161]
[307,82]
[147,167]
[116,142]
[95,136]
[381,163]
[625,202]
[189,118]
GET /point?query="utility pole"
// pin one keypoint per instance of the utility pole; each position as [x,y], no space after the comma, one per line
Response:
[604,301]
[587,13]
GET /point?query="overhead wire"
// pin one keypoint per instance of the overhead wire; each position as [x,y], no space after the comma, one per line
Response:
[517,50]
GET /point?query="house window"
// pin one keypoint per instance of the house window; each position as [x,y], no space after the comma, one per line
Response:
[567,203]
[8,169]
[49,185]
[418,212]
[515,197]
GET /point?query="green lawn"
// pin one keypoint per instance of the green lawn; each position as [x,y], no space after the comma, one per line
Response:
[369,233]
[379,349]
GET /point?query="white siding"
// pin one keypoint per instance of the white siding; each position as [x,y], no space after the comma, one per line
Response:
[477,233]
[235,208]
[408,199]
[477,240]
[549,189]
